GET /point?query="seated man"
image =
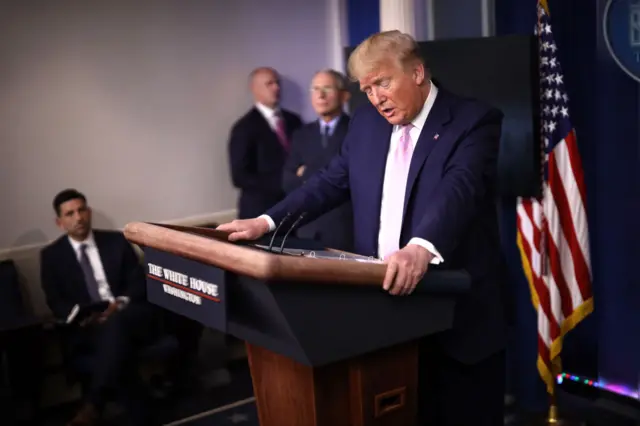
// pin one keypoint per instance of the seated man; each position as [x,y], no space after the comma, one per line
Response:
[86,266]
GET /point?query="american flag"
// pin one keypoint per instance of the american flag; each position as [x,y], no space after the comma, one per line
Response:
[552,232]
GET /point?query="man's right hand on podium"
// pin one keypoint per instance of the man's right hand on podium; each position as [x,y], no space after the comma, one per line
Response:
[245,229]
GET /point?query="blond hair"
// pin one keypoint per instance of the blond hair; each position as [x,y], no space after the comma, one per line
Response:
[381,47]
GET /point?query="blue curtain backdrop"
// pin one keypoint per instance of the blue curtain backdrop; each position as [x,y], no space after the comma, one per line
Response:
[363,19]
[616,230]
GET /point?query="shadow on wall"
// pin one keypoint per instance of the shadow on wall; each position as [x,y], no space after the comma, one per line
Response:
[38,236]
[102,221]
[31,237]
[293,96]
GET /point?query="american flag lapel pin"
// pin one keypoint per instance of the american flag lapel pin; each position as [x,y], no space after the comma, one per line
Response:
[436,136]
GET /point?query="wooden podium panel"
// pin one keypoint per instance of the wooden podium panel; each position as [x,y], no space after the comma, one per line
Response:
[376,389]
[326,346]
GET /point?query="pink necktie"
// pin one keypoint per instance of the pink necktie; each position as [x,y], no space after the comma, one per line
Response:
[281,132]
[395,184]
[403,153]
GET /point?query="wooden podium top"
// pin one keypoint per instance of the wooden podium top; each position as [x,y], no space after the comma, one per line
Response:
[211,247]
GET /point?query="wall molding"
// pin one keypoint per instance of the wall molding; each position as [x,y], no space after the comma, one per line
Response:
[195,220]
[488,17]
[431,20]
[27,257]
[204,219]
[338,33]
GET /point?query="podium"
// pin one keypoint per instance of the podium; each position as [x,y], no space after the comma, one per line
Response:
[326,345]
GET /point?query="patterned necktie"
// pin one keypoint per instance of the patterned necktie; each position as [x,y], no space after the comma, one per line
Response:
[89,277]
[395,185]
[281,132]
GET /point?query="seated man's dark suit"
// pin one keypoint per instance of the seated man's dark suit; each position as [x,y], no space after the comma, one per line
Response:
[335,228]
[257,158]
[110,345]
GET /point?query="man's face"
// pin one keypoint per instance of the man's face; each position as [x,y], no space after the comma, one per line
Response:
[75,219]
[266,88]
[326,98]
[394,91]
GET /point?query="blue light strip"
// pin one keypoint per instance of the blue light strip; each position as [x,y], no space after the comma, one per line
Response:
[601,384]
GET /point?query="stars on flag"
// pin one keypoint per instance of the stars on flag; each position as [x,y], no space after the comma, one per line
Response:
[554,99]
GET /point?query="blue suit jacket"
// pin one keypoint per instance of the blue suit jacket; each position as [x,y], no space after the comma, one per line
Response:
[449,201]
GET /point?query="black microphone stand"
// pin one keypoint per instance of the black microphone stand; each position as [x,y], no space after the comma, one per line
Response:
[291,229]
[275,232]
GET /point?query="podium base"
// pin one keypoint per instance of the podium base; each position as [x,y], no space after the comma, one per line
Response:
[553,419]
[377,389]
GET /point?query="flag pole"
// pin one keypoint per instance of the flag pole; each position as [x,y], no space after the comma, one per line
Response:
[554,366]
[552,418]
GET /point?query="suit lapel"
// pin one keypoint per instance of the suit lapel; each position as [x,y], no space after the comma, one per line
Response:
[73,268]
[259,118]
[335,141]
[315,139]
[288,123]
[377,164]
[429,136]
[71,258]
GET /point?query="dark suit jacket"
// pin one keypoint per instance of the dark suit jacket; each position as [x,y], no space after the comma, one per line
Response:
[335,228]
[449,201]
[256,159]
[63,281]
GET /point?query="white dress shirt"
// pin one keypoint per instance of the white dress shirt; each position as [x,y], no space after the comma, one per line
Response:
[394,229]
[390,230]
[269,114]
[104,289]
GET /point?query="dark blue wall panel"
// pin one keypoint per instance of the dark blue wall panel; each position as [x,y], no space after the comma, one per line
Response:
[604,110]
[363,17]
[615,229]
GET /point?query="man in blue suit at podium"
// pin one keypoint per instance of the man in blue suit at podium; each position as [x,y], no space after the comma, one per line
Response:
[419,166]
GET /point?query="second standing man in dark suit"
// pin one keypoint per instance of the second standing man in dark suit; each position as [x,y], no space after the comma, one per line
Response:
[259,145]
[313,146]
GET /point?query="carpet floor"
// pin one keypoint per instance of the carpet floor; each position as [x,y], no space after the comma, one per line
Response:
[233,404]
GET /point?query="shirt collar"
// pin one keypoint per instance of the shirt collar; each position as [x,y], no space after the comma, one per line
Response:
[269,113]
[421,118]
[331,124]
[89,241]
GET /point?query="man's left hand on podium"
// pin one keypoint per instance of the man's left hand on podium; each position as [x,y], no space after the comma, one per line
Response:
[405,268]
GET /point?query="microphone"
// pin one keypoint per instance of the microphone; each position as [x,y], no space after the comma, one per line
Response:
[291,228]
[273,237]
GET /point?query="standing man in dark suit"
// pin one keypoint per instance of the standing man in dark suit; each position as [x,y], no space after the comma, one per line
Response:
[313,146]
[259,145]
[419,165]
[86,266]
